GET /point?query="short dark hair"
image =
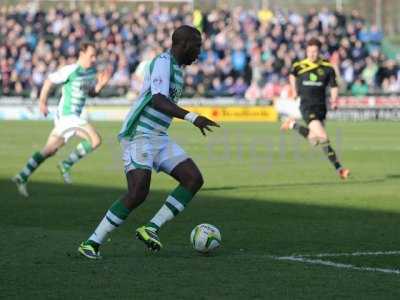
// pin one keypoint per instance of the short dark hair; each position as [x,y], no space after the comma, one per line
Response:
[83,46]
[314,42]
[185,32]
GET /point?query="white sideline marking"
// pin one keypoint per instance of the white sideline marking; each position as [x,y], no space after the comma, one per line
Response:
[366,253]
[307,258]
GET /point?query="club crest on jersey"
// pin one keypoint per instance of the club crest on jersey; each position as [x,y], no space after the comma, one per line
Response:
[157,81]
[313,77]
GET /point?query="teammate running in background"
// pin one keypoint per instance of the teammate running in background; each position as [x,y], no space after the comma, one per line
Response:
[79,81]
[146,145]
[310,79]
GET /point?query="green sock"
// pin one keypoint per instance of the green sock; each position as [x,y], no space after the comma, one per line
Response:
[32,164]
[114,217]
[83,149]
[118,209]
[175,203]
[330,153]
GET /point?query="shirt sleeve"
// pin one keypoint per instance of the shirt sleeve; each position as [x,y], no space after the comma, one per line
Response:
[160,76]
[62,74]
[332,78]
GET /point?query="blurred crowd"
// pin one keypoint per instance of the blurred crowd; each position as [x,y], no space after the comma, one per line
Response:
[245,53]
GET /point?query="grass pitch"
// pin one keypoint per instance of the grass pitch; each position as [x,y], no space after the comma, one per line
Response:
[270,194]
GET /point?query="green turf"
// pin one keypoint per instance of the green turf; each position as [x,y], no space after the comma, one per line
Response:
[269,193]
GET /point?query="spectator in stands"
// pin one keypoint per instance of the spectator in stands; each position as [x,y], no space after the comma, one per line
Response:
[372,35]
[391,85]
[239,87]
[253,93]
[241,46]
[359,88]
[386,70]
[369,72]
[217,88]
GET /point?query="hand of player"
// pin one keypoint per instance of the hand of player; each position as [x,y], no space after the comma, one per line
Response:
[43,109]
[204,123]
[104,76]
[334,105]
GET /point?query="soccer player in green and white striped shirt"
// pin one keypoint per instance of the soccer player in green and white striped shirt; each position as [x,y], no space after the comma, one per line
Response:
[147,146]
[79,81]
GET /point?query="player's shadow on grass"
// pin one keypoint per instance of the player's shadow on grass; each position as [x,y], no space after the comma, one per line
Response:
[264,224]
[297,184]
[41,234]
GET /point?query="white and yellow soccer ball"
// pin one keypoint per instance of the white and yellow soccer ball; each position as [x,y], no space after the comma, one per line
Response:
[205,238]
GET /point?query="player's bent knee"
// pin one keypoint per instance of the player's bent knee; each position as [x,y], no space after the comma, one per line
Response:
[323,139]
[193,182]
[200,181]
[135,198]
[96,143]
[95,140]
[50,152]
[141,192]
[314,141]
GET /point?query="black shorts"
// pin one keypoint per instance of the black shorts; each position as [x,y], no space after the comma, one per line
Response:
[312,113]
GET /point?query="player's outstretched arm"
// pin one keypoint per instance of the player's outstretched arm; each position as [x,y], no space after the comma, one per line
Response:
[163,104]
[334,88]
[292,82]
[44,94]
[334,97]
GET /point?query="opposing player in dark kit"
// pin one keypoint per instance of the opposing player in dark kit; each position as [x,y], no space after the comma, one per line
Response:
[310,79]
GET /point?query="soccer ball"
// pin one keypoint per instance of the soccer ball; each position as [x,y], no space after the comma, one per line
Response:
[205,238]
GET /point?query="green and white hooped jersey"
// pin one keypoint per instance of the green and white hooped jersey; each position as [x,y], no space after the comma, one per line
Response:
[77,82]
[164,76]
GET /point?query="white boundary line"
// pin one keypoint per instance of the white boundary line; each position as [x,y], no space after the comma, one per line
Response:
[307,258]
[365,253]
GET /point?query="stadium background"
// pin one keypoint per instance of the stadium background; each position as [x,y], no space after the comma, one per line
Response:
[271,195]
[248,49]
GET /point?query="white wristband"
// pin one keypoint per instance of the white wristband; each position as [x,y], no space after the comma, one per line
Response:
[191,117]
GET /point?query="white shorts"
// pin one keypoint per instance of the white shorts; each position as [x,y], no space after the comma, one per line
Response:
[67,126]
[152,152]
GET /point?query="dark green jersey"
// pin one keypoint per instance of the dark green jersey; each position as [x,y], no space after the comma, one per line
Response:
[312,80]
